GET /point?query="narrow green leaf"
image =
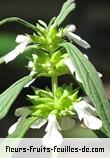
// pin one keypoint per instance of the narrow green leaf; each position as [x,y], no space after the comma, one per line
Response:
[22,127]
[91,83]
[8,96]
[66,9]
[18,20]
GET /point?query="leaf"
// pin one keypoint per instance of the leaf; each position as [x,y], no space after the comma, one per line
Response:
[66,9]
[91,83]
[8,96]
[19,20]
[100,134]
[22,127]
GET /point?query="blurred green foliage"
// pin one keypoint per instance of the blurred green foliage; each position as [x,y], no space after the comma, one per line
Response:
[7,42]
[79,132]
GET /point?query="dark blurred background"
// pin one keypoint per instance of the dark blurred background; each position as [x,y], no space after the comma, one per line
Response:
[92,19]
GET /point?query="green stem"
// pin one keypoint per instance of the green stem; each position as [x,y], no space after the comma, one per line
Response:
[54,84]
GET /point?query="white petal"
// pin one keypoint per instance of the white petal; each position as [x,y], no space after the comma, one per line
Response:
[14,53]
[69,64]
[22,39]
[29,83]
[52,138]
[11,56]
[39,123]
[85,56]
[78,40]
[51,122]
[83,108]
[99,74]
[70,28]
[21,47]
[79,111]
[86,112]
[13,127]
[42,23]
[78,78]
[30,64]
[92,122]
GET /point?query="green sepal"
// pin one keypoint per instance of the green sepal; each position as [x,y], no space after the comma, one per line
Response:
[43,93]
[44,103]
[48,66]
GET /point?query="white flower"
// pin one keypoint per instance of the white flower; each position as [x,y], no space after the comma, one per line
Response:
[30,65]
[38,124]
[71,67]
[23,42]
[72,36]
[52,136]
[99,74]
[87,113]
[13,127]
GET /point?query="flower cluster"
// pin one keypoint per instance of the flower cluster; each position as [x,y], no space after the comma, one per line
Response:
[67,104]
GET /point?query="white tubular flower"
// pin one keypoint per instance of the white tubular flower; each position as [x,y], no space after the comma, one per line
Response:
[72,36]
[87,113]
[52,136]
[38,124]
[23,42]
[13,127]
[70,66]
